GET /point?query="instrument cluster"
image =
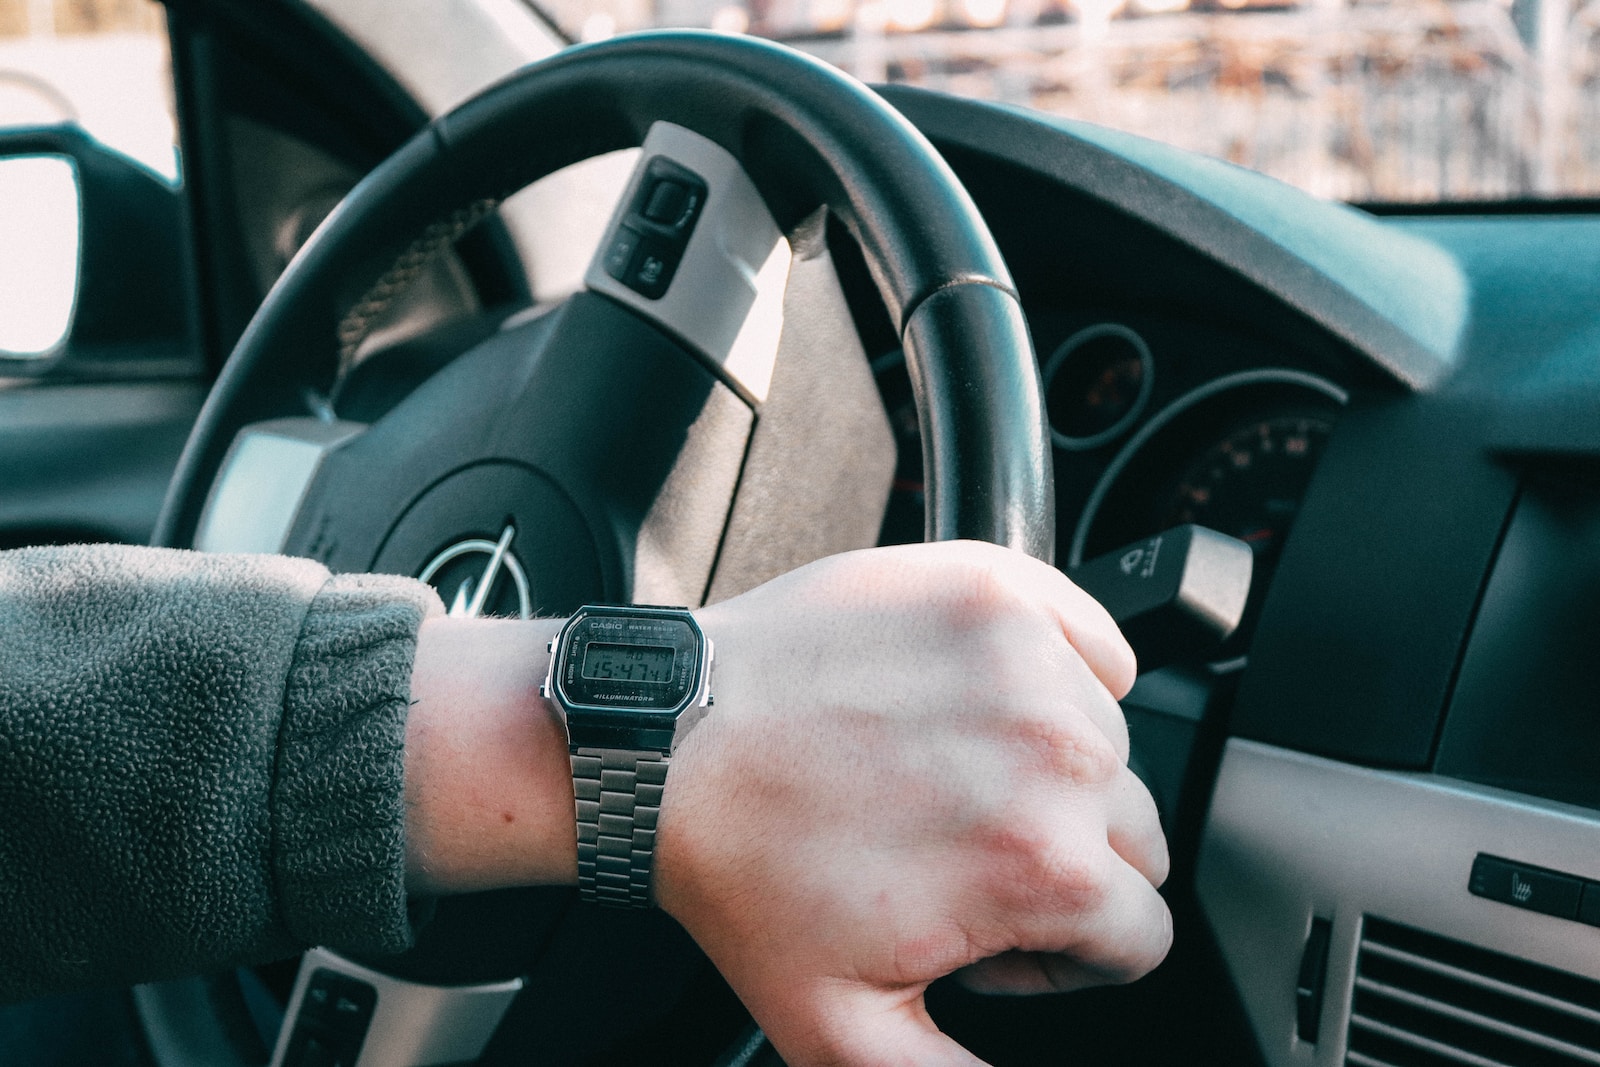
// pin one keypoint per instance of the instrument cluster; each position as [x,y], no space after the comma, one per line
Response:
[1156,424]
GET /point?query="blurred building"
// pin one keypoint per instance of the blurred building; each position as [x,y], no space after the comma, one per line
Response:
[103,64]
[69,17]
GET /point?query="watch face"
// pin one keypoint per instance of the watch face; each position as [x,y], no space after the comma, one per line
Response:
[617,658]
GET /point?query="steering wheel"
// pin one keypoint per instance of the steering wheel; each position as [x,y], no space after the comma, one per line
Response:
[606,435]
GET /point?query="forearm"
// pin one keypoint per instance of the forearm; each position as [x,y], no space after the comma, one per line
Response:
[488,783]
[200,762]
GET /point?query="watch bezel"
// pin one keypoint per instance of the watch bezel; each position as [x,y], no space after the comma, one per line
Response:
[622,725]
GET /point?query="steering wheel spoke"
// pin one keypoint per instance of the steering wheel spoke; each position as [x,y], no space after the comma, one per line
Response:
[257,494]
[693,248]
[342,1012]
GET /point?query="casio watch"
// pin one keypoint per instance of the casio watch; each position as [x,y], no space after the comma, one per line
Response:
[631,682]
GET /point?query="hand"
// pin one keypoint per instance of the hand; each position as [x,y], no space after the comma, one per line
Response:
[915,766]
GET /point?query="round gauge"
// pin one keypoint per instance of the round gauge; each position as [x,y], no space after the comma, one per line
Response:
[1096,384]
[1249,484]
[1235,455]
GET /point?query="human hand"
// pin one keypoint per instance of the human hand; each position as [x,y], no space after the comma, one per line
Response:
[916,766]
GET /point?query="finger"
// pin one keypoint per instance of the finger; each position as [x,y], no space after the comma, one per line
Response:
[1133,828]
[1123,939]
[1120,934]
[872,1028]
[1026,974]
[1087,625]
[1087,696]
[1092,632]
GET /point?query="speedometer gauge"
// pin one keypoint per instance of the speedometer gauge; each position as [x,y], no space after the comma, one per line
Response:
[1235,455]
[1249,484]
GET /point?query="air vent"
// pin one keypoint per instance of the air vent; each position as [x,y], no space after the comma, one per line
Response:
[1424,1001]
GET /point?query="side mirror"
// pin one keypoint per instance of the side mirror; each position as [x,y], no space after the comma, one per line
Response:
[101,259]
[39,253]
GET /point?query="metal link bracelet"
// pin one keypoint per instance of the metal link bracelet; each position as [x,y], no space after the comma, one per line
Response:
[618,796]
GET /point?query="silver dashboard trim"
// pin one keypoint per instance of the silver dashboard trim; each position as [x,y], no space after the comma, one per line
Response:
[1291,837]
[263,480]
[726,299]
[412,1025]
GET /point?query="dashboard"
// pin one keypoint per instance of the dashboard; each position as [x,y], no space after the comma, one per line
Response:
[1157,423]
[1381,790]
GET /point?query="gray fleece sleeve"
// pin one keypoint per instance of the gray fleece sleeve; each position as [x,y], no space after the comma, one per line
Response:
[200,762]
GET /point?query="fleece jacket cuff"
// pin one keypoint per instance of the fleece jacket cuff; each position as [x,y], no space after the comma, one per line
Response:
[338,798]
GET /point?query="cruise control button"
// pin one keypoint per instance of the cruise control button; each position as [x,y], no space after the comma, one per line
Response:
[1525,887]
[619,256]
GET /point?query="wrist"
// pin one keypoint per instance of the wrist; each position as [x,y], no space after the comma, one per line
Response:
[685,814]
[488,783]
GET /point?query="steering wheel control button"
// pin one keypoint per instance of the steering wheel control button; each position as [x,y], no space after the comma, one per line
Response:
[1521,886]
[649,242]
[332,1022]
[672,202]
[619,254]
[671,196]
[653,267]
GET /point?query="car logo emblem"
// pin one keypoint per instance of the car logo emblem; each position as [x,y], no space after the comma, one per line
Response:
[477,576]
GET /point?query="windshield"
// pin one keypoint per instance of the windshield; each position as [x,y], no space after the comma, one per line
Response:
[1397,101]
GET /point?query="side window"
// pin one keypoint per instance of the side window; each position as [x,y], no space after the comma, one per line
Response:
[91,213]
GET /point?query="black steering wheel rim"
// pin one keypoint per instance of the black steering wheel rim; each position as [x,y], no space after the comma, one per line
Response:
[808,136]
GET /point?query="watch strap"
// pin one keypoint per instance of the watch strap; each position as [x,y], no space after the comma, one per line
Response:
[618,796]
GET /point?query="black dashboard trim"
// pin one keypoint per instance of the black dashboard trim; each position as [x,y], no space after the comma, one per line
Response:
[1409,316]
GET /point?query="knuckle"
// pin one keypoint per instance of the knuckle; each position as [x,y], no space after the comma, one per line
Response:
[1040,864]
[1018,839]
[1082,879]
[1070,748]
[978,595]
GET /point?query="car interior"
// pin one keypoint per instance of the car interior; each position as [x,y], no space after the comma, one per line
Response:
[686,311]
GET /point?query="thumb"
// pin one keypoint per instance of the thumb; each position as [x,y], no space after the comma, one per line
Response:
[876,1028]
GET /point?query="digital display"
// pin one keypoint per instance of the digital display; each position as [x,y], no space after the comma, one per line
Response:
[628,663]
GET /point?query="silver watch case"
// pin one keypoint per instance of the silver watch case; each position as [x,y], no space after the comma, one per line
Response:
[620,714]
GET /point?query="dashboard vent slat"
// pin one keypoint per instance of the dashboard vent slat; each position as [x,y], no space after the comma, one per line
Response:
[1405,1049]
[1360,1059]
[1439,1007]
[1473,978]
[1425,1001]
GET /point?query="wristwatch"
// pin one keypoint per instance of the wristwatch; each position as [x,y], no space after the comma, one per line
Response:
[631,682]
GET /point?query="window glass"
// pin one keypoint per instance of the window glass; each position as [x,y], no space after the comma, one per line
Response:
[1373,100]
[104,64]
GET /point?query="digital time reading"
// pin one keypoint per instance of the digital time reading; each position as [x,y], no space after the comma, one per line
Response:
[628,663]
[617,663]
